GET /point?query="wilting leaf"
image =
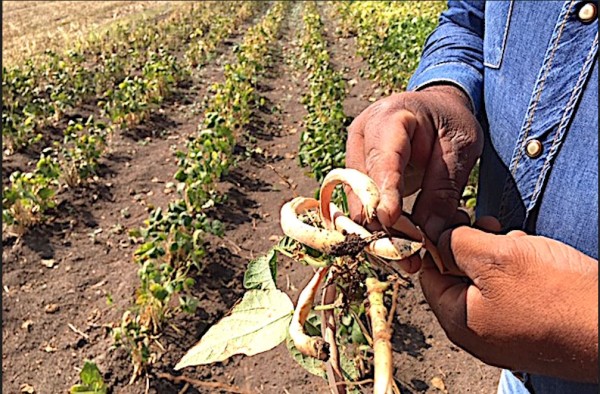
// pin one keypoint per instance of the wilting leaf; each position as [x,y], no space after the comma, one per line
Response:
[261,272]
[471,203]
[257,324]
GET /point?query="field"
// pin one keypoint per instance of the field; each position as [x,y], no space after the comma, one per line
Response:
[147,150]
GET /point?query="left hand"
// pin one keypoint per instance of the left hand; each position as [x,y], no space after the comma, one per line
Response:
[530,304]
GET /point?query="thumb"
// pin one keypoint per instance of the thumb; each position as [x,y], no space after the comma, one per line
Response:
[465,250]
[446,175]
[440,194]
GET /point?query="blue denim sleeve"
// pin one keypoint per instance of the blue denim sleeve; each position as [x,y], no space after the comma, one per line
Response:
[453,53]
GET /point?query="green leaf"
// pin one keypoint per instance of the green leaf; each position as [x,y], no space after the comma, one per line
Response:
[261,272]
[81,389]
[45,193]
[348,367]
[471,202]
[257,324]
[356,334]
[91,377]
[158,291]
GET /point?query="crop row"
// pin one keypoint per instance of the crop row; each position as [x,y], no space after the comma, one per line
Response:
[389,36]
[322,142]
[40,91]
[172,249]
[132,69]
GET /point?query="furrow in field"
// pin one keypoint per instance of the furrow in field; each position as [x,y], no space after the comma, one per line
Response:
[92,279]
[257,187]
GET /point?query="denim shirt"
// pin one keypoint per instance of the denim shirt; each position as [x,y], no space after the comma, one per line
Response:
[530,70]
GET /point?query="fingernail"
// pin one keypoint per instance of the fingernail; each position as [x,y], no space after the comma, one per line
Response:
[384,211]
[383,214]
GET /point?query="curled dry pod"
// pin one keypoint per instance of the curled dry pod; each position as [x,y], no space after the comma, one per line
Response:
[365,189]
[320,239]
[309,346]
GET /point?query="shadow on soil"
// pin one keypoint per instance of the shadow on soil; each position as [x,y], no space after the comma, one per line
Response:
[408,339]
[155,126]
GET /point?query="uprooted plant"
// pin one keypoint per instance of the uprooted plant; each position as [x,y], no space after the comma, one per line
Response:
[355,328]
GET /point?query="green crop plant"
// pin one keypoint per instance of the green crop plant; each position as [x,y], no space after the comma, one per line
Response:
[82,146]
[389,36]
[321,144]
[29,195]
[209,154]
[171,251]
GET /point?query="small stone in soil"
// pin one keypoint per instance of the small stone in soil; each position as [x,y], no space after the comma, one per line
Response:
[48,263]
[438,383]
[27,325]
[51,308]
[27,388]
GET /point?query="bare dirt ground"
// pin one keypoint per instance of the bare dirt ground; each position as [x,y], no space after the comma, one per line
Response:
[66,282]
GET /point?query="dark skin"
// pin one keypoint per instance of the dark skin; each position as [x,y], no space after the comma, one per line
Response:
[530,302]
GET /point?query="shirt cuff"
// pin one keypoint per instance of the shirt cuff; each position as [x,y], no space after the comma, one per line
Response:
[462,75]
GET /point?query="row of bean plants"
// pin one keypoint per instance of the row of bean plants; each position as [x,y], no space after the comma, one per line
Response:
[40,91]
[132,69]
[172,243]
[389,36]
[322,143]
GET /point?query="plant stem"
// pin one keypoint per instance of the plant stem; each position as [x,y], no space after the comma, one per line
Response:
[334,371]
[382,334]
[199,383]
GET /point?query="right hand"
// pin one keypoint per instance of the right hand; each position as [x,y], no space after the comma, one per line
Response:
[529,304]
[428,140]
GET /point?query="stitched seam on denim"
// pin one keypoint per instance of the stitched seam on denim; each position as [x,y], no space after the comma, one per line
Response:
[538,92]
[562,125]
[569,109]
[503,45]
[452,62]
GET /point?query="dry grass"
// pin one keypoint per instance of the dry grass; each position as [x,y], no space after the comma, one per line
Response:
[30,27]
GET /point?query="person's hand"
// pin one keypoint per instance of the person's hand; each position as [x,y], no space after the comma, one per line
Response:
[529,304]
[428,140]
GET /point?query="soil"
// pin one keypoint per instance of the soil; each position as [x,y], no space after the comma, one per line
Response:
[65,283]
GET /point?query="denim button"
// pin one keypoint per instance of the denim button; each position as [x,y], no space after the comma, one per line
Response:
[587,13]
[533,148]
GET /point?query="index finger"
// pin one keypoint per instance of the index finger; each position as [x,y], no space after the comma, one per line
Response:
[355,158]
[387,153]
